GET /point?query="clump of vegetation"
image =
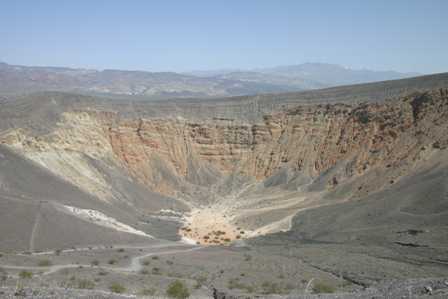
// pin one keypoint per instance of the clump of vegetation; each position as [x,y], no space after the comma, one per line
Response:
[95,263]
[321,287]
[117,288]
[3,275]
[57,252]
[26,274]
[121,250]
[112,262]
[234,283]
[146,263]
[155,270]
[155,257]
[85,284]
[200,281]
[177,290]
[363,116]
[271,288]
[44,263]
[102,273]
[144,272]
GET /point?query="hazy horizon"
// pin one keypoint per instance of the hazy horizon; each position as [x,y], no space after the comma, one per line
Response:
[403,36]
[191,71]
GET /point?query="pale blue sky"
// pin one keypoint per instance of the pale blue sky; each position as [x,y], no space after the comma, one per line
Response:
[403,35]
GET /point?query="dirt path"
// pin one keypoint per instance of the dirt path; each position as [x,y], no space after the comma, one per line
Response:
[134,265]
[35,227]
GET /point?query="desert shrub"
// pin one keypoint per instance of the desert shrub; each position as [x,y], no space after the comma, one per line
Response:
[95,263]
[117,288]
[121,250]
[363,117]
[3,275]
[155,270]
[57,252]
[85,284]
[177,290]
[234,283]
[155,257]
[102,273]
[148,292]
[112,262]
[146,263]
[44,263]
[321,287]
[25,274]
[200,281]
[144,272]
[271,288]
[1,254]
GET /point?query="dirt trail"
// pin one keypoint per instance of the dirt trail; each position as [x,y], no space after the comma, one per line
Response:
[134,265]
[35,227]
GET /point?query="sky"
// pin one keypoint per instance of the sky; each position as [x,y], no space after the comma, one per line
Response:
[184,35]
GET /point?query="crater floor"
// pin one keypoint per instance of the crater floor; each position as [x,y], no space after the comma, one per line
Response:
[209,226]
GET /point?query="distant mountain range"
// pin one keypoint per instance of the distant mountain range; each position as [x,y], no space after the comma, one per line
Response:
[24,79]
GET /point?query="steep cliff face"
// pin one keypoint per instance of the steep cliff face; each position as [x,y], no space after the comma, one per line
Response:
[329,145]
[308,139]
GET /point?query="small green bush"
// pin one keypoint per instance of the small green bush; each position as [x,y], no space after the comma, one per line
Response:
[95,263]
[271,288]
[3,275]
[144,272]
[86,284]
[112,262]
[155,257]
[321,287]
[146,263]
[25,274]
[200,281]
[44,263]
[177,290]
[117,288]
[155,270]
[234,283]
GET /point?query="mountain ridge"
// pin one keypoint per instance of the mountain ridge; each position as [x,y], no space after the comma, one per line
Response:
[162,85]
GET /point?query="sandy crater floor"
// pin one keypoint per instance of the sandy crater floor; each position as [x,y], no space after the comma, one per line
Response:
[209,226]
